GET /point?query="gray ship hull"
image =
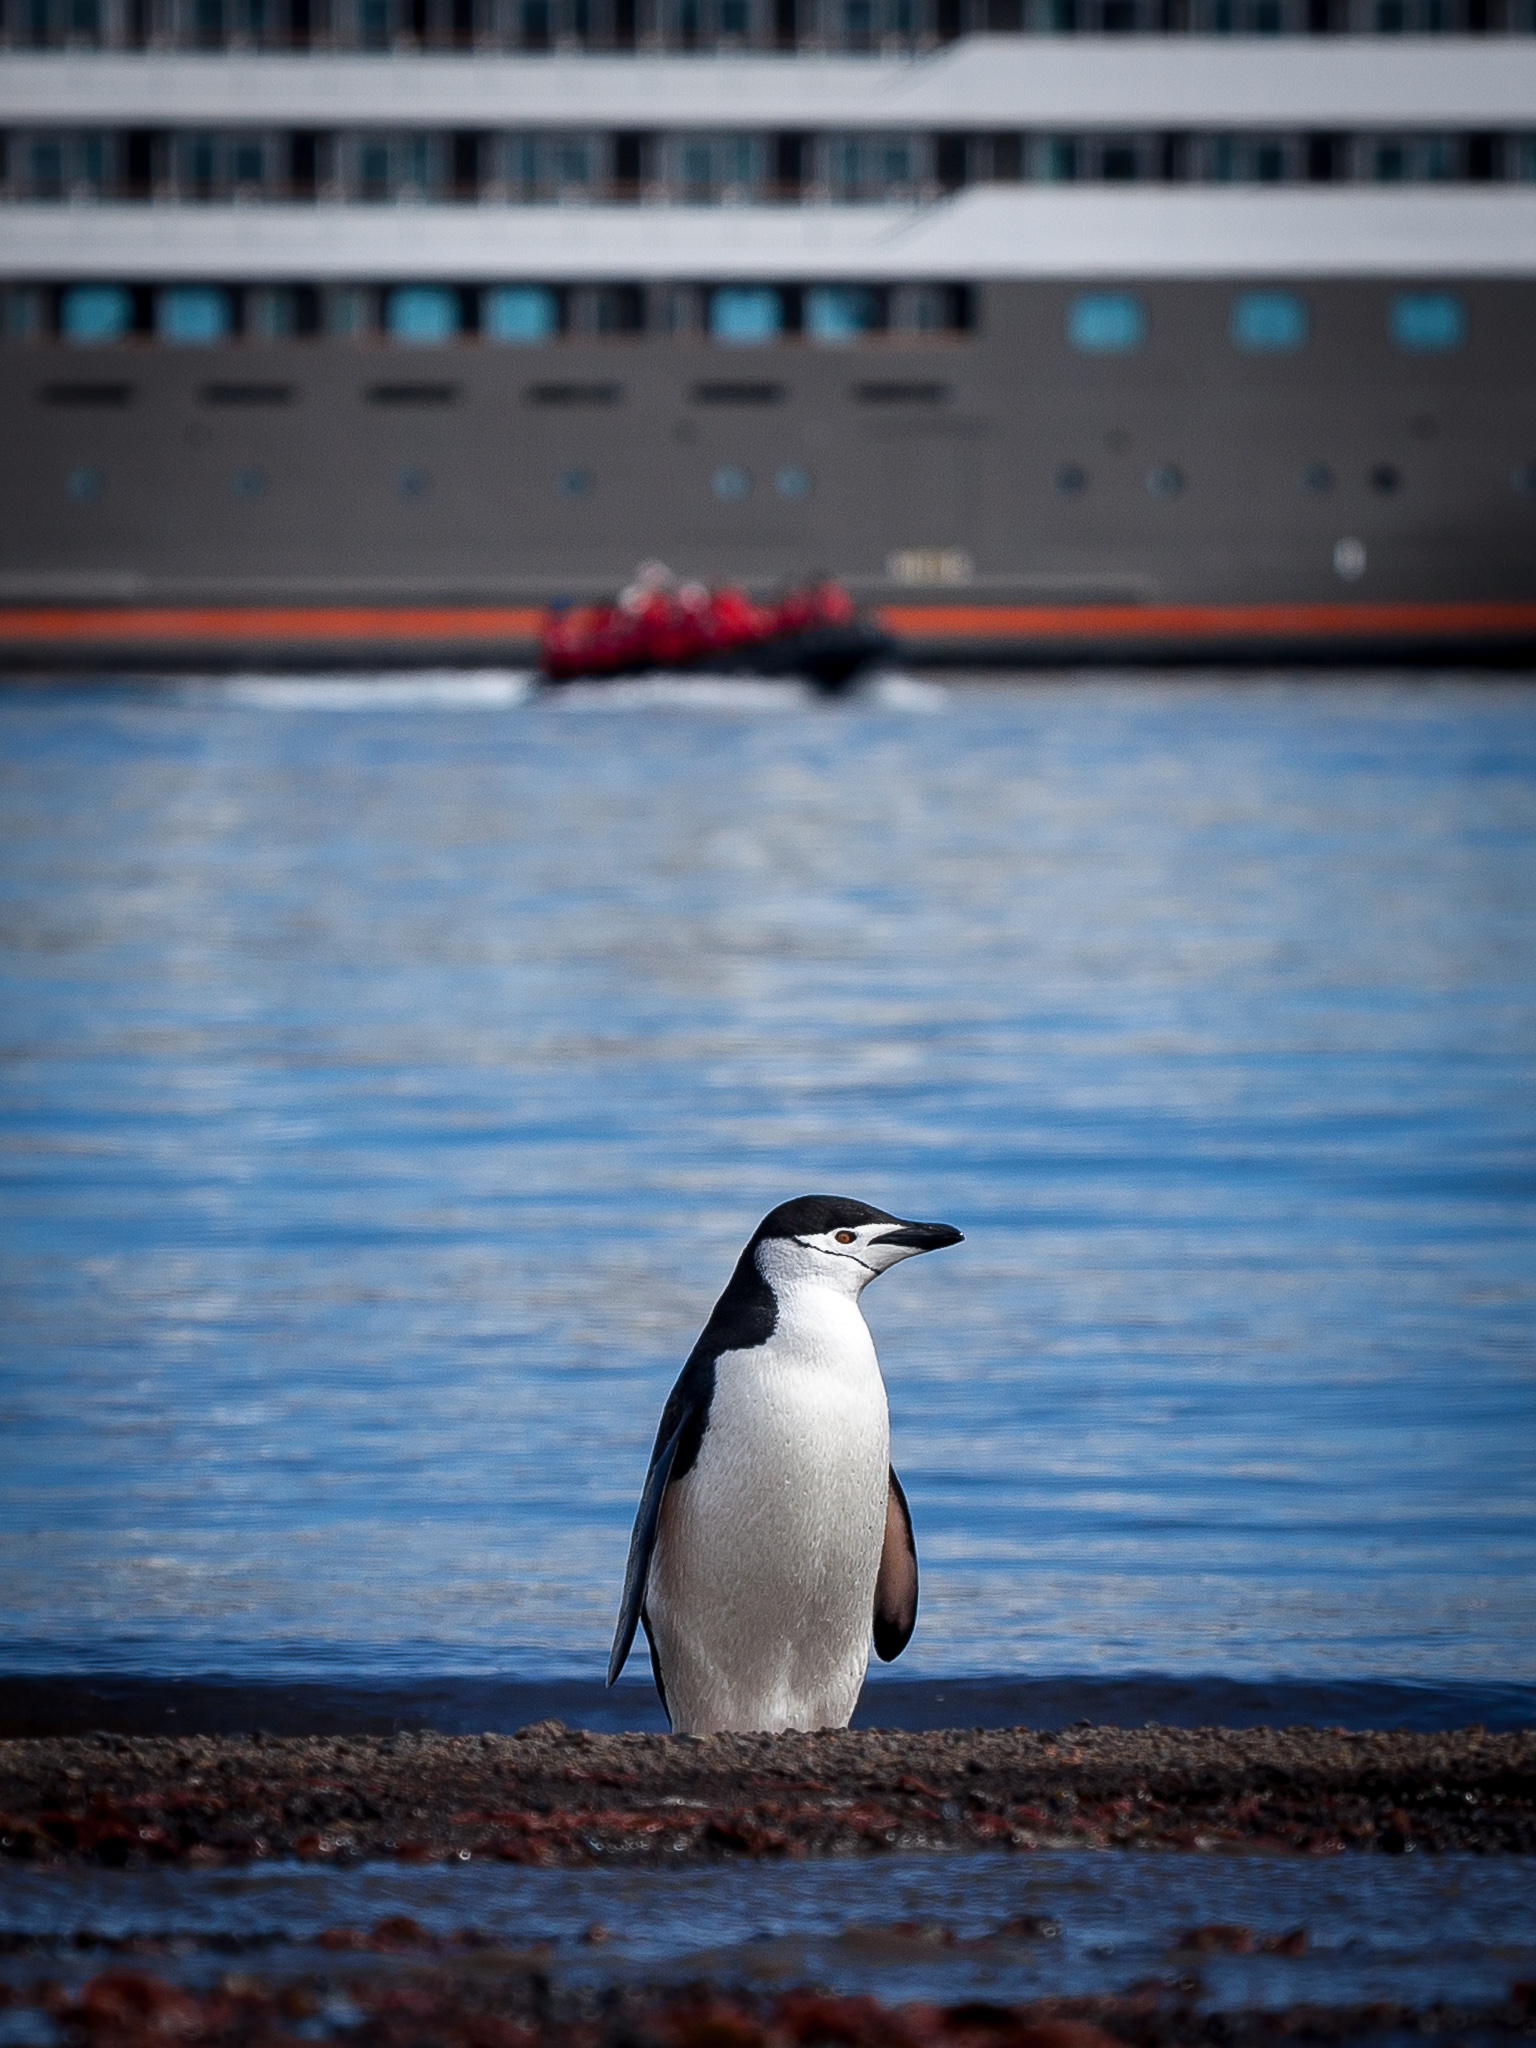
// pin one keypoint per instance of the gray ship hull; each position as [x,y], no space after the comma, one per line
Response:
[988,494]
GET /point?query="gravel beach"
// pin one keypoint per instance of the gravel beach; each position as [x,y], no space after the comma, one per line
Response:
[551,1795]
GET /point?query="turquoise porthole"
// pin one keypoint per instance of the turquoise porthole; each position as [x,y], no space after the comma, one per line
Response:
[839,313]
[522,315]
[1427,321]
[95,312]
[746,315]
[1269,323]
[422,314]
[1106,323]
[193,315]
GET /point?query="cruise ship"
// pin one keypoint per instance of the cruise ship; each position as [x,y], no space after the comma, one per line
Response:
[363,330]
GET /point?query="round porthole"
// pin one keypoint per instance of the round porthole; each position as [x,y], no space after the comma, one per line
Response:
[250,483]
[1349,558]
[731,483]
[1166,481]
[1386,478]
[575,483]
[413,483]
[84,484]
[1071,479]
[1316,478]
[791,482]
[1524,479]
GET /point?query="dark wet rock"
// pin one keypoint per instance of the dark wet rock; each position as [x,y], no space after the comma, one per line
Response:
[552,1795]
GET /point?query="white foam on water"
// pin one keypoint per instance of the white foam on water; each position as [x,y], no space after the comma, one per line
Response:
[416,690]
[742,693]
[677,692]
[897,692]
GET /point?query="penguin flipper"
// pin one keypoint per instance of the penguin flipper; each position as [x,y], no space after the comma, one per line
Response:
[896,1582]
[641,1544]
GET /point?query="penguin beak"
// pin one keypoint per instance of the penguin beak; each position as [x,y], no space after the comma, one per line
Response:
[920,1237]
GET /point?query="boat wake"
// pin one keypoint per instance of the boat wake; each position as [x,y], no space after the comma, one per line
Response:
[506,689]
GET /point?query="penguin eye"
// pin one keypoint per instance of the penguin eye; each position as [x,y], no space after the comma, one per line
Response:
[844,1236]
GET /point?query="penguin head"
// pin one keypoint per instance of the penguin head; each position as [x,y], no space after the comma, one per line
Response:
[830,1241]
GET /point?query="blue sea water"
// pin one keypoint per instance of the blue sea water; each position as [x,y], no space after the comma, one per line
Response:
[392,1072]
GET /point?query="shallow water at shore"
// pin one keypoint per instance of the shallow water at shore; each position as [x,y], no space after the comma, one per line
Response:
[926,1927]
[389,1089]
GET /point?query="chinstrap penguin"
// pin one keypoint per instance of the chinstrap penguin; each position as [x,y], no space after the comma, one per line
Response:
[772,1534]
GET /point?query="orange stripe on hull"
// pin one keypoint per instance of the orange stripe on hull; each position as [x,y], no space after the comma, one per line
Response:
[269,623]
[233,626]
[1204,621]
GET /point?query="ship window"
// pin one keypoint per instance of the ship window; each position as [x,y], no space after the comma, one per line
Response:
[745,316]
[1425,321]
[192,314]
[1386,478]
[47,170]
[575,394]
[901,394]
[421,314]
[1524,479]
[348,313]
[731,482]
[1166,480]
[95,312]
[840,313]
[21,314]
[86,394]
[84,484]
[1317,479]
[1071,479]
[1106,323]
[792,482]
[250,483]
[412,394]
[414,484]
[1268,323]
[575,483]
[738,394]
[520,314]
[247,394]
[250,163]
[274,315]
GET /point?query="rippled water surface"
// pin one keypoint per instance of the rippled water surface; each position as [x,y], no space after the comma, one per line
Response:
[921,1927]
[388,1091]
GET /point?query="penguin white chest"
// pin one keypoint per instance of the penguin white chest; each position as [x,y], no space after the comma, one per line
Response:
[761,1589]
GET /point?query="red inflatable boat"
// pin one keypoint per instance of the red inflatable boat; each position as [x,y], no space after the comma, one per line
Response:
[660,624]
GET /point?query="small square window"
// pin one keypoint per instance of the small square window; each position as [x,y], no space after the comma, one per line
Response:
[193,315]
[1106,323]
[745,316]
[840,313]
[422,314]
[1269,323]
[520,314]
[95,312]
[1428,321]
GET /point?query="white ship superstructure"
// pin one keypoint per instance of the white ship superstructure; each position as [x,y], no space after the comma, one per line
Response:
[477,301]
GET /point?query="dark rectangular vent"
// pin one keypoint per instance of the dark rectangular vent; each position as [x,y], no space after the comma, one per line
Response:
[412,394]
[901,394]
[575,394]
[738,394]
[86,394]
[248,394]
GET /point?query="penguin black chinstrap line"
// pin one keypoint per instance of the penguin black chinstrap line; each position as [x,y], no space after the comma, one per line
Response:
[772,1536]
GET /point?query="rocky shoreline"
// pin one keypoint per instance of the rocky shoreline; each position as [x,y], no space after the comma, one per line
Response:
[512,2007]
[552,1795]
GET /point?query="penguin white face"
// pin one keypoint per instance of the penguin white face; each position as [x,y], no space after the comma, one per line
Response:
[851,1247]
